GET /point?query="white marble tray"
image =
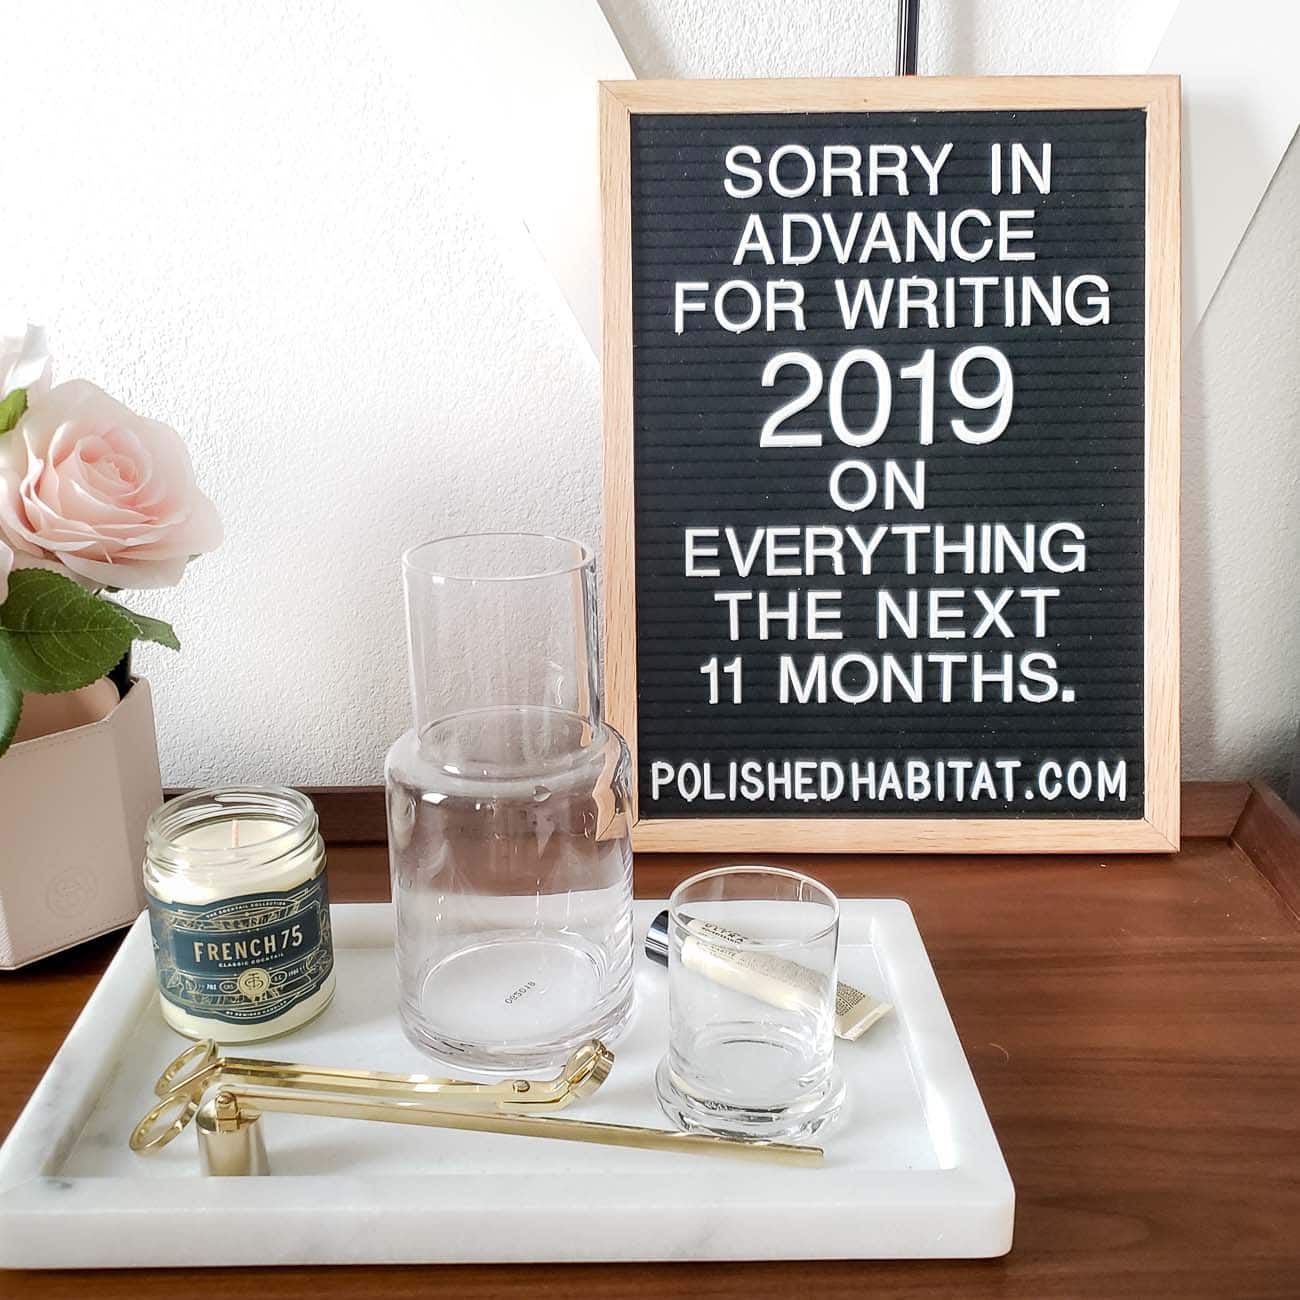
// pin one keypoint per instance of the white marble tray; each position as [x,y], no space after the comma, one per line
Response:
[914,1171]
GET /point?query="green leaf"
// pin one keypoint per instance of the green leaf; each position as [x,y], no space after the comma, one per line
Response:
[55,636]
[12,407]
[149,629]
[11,705]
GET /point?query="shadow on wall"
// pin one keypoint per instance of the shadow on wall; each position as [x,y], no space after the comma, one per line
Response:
[1199,636]
[1241,506]
[952,42]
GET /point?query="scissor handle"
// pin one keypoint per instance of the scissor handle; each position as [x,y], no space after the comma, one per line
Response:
[188,1070]
[166,1120]
[587,1069]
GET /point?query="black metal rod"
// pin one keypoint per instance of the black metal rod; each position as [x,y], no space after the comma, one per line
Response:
[909,22]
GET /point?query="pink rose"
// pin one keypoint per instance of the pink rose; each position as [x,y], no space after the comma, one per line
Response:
[111,496]
[6,568]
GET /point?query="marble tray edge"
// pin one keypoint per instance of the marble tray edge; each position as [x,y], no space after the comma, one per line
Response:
[78,1072]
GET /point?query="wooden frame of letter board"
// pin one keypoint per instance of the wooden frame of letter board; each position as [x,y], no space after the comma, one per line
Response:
[1157,830]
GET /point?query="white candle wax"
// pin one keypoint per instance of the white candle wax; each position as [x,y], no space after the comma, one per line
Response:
[241,832]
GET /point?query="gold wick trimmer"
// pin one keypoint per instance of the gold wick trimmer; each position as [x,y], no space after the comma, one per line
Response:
[230,1141]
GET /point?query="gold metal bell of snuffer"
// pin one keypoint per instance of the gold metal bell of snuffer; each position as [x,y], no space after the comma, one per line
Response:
[230,1140]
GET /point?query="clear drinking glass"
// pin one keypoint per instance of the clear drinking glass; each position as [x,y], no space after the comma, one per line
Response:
[751,1004]
[508,809]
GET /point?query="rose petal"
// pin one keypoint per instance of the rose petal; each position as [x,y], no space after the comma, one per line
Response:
[25,362]
[138,575]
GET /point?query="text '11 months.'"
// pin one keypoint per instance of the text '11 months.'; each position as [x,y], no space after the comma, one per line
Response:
[889,457]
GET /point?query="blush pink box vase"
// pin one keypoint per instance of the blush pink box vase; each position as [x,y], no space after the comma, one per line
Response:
[73,807]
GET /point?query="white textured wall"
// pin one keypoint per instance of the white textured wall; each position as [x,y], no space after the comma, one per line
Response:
[240,218]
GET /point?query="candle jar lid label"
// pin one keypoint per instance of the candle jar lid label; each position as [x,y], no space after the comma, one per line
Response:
[244,960]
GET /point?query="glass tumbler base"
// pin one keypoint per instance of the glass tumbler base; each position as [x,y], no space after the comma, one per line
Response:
[812,1113]
[516,1002]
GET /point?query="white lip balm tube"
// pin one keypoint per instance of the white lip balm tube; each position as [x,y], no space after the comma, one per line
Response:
[773,980]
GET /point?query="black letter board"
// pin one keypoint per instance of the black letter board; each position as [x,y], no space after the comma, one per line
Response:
[891,375]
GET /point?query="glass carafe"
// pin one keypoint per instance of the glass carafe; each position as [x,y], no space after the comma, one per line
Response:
[508,809]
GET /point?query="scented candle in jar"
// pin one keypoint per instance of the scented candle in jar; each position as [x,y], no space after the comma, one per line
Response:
[239,912]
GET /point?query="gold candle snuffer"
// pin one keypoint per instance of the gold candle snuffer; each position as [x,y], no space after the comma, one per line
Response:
[230,1141]
[182,1085]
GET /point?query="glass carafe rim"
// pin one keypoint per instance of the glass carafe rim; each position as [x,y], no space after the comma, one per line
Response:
[585,557]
